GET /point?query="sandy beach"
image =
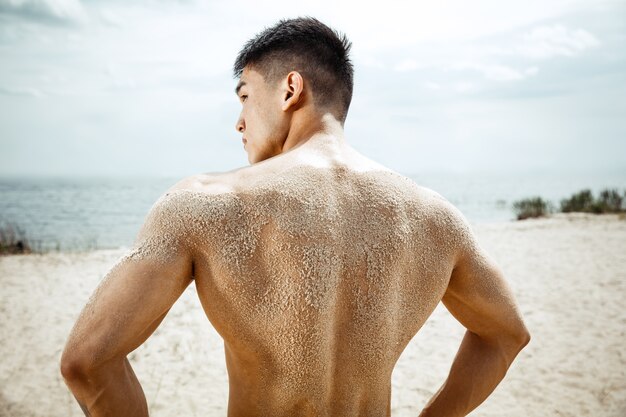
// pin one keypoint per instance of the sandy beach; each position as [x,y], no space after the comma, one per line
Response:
[568,273]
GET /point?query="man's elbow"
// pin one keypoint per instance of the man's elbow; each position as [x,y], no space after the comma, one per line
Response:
[509,342]
[74,366]
[78,364]
[517,340]
[524,338]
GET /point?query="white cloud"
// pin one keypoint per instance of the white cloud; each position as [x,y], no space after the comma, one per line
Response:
[464,87]
[405,23]
[500,72]
[64,10]
[548,41]
[109,17]
[139,70]
[407,65]
[23,92]
[531,70]
[496,72]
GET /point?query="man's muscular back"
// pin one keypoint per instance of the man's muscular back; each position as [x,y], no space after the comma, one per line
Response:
[317,272]
[315,264]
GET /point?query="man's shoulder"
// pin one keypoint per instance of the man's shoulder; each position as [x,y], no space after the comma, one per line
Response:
[181,199]
[207,183]
[222,186]
[195,204]
[427,200]
[233,181]
[440,218]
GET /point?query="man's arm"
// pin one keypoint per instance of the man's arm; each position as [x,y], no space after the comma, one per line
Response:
[126,308]
[480,299]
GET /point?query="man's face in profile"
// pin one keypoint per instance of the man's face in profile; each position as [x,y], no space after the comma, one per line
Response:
[262,122]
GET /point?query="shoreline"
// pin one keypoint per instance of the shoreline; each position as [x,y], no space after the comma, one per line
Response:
[575,216]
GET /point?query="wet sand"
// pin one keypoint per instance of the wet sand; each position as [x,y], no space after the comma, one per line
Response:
[568,273]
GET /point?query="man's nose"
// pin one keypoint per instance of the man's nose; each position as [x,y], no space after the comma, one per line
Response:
[240,125]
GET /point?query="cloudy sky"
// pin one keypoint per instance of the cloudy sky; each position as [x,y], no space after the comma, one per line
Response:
[116,88]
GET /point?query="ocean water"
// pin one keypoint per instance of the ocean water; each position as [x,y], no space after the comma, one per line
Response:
[79,214]
[72,214]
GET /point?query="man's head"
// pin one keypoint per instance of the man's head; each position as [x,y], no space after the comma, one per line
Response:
[310,47]
[293,62]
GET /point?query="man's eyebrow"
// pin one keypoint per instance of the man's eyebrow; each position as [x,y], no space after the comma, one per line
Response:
[241,84]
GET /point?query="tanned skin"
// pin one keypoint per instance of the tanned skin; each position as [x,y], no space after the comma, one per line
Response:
[344,351]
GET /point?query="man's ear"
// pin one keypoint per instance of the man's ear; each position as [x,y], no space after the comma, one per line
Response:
[294,86]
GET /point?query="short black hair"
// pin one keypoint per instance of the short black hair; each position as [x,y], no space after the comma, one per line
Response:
[310,47]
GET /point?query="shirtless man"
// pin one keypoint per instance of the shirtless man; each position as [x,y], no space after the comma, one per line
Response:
[315,264]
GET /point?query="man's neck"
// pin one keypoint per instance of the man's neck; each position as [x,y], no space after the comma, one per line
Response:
[313,132]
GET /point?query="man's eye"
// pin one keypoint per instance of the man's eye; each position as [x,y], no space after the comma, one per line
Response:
[244,97]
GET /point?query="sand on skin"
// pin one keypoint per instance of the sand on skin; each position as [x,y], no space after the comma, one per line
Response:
[568,273]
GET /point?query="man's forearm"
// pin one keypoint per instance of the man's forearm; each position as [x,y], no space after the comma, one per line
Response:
[112,390]
[478,368]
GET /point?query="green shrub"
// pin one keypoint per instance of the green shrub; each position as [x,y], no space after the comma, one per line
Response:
[581,201]
[13,240]
[531,207]
[610,201]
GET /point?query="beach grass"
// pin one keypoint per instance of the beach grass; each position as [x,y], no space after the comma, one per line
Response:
[13,240]
[608,201]
[532,207]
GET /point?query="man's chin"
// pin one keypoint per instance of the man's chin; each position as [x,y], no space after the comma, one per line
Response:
[255,158]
